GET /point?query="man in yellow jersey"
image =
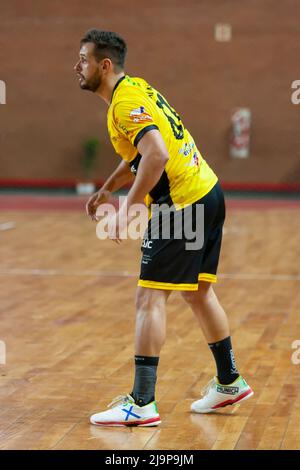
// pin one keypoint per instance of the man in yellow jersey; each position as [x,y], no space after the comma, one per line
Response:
[169,170]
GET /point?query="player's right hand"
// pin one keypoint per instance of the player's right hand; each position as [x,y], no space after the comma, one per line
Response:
[98,198]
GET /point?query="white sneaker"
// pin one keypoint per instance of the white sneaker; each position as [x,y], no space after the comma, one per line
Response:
[125,412]
[216,395]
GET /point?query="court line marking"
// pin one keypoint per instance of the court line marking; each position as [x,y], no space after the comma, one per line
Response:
[126,274]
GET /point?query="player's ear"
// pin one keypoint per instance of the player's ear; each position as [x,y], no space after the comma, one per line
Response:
[106,65]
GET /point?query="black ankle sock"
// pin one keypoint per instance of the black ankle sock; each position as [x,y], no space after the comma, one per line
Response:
[145,379]
[224,357]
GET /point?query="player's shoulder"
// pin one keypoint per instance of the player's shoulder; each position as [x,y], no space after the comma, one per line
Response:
[134,83]
[131,89]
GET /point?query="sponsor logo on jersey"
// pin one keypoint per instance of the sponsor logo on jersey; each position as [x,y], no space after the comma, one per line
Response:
[121,126]
[196,159]
[140,115]
[186,148]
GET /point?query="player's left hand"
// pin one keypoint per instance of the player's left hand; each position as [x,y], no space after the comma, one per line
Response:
[116,225]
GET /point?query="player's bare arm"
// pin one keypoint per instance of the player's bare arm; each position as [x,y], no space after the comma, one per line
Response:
[154,158]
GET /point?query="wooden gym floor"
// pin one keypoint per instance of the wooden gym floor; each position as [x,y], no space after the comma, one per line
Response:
[67,320]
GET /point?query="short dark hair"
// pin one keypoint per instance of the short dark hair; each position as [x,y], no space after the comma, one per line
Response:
[107,44]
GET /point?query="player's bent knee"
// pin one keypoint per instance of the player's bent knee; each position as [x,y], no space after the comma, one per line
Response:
[190,297]
[205,289]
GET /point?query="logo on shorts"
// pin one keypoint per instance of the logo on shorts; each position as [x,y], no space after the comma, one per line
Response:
[147,243]
[140,115]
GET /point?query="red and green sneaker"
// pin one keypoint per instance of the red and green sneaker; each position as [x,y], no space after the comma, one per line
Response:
[216,395]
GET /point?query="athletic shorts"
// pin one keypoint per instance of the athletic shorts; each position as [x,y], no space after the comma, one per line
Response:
[177,258]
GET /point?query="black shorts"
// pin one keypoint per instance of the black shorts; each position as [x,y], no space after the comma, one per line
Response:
[179,259]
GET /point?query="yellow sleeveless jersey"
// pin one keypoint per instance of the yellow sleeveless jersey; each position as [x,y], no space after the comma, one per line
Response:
[136,108]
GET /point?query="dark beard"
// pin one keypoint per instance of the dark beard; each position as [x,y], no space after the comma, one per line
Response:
[92,84]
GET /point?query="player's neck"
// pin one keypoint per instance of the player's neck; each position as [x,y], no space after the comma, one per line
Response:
[105,90]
